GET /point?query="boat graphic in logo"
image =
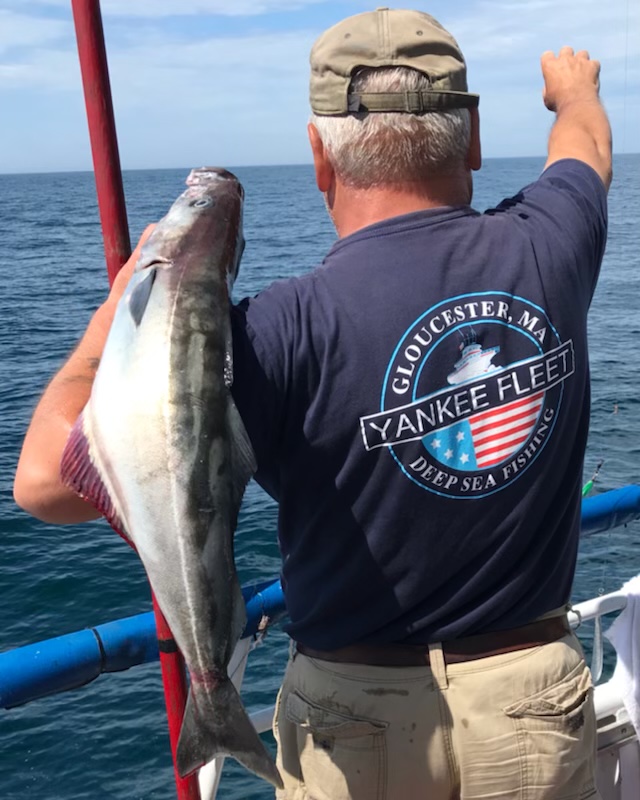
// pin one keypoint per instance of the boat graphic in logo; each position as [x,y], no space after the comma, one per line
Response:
[471,394]
[473,362]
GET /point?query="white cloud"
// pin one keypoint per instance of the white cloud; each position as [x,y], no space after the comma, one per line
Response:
[22,31]
[174,8]
[243,99]
[182,102]
[503,41]
[210,95]
[502,35]
[182,72]
[46,70]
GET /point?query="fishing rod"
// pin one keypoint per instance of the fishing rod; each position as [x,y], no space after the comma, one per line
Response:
[589,484]
[117,246]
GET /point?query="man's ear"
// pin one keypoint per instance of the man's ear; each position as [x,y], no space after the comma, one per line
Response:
[474,156]
[321,163]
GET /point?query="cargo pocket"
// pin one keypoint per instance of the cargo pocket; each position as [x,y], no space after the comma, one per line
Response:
[556,734]
[342,757]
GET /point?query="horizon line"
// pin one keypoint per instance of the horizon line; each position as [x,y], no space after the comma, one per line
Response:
[247,166]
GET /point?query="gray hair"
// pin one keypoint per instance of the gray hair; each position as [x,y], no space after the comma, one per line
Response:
[378,149]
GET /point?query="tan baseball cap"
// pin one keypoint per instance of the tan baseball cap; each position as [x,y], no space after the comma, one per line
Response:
[388,38]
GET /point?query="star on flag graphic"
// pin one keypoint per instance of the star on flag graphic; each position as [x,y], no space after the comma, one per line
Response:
[487,438]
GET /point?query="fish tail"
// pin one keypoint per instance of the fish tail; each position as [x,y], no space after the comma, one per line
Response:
[216,724]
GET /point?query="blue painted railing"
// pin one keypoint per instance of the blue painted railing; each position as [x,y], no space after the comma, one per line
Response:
[70,661]
[608,510]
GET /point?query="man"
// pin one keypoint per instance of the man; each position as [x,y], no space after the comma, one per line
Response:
[419,407]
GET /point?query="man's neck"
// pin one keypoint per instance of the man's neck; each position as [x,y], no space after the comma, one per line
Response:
[352,209]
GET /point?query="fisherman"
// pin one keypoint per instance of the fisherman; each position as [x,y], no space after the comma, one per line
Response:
[419,407]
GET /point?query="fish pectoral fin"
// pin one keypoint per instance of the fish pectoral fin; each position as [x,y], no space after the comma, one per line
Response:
[216,724]
[139,297]
[243,460]
[78,472]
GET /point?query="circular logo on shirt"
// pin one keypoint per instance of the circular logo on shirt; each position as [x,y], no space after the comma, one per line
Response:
[471,394]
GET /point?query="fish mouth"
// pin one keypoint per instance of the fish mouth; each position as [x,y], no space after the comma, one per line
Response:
[153,262]
[202,175]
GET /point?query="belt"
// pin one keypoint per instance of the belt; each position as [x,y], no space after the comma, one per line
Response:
[455,651]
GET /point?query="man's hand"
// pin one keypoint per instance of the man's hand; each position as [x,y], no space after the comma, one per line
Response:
[581,131]
[569,77]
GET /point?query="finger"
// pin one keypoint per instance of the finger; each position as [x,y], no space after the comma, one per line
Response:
[583,54]
[146,233]
[128,267]
[548,55]
[565,51]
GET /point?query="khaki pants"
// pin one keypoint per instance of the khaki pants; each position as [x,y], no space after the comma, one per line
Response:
[514,726]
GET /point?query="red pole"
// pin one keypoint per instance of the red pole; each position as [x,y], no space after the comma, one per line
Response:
[117,246]
[102,132]
[175,697]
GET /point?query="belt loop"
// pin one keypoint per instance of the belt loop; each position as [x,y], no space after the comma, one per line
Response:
[293,652]
[438,665]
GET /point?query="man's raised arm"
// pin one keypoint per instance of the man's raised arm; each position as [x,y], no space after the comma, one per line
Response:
[37,487]
[581,129]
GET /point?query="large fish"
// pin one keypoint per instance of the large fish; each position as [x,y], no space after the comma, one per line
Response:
[161,451]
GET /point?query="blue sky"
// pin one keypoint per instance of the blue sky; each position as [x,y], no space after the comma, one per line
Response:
[225,81]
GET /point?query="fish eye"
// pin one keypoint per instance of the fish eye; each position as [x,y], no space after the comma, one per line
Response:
[202,203]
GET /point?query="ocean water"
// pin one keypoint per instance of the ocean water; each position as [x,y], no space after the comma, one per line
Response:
[108,741]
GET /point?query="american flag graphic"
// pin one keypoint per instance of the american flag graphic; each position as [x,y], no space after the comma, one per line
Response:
[499,432]
[488,437]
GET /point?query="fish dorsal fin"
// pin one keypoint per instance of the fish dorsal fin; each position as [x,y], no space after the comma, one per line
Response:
[79,473]
[140,295]
[243,459]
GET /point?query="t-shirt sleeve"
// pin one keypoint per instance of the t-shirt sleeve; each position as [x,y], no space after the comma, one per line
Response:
[565,215]
[261,331]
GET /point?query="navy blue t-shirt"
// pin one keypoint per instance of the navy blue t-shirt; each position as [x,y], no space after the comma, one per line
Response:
[419,407]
